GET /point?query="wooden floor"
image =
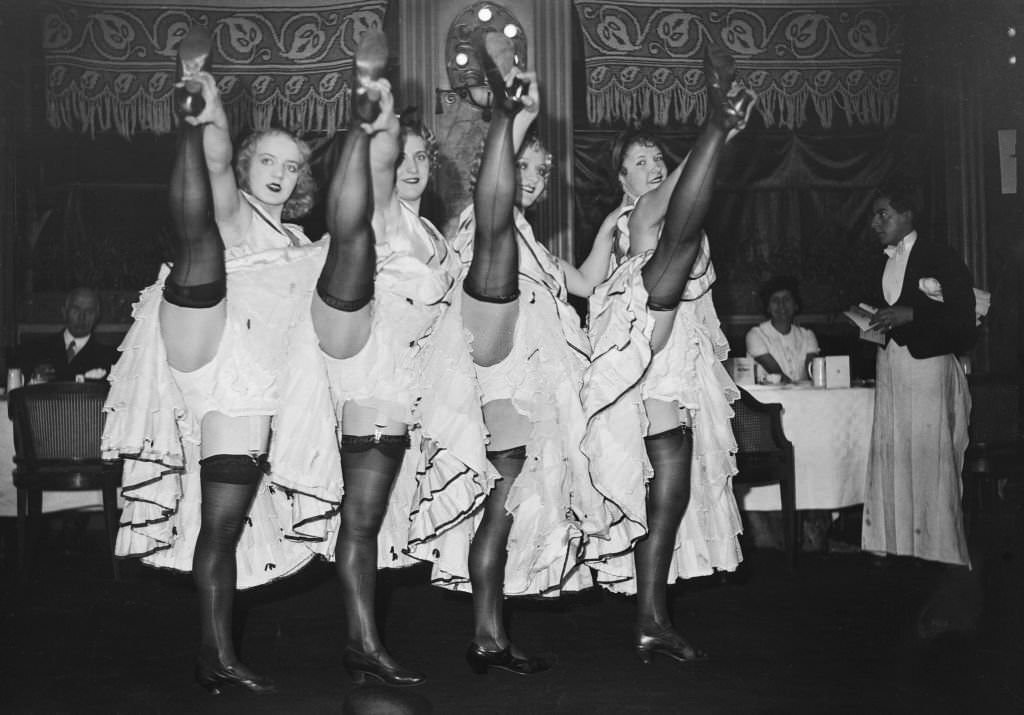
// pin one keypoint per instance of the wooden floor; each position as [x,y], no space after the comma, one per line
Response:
[846,634]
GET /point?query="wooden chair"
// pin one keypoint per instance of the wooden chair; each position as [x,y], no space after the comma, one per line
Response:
[57,432]
[995,454]
[766,457]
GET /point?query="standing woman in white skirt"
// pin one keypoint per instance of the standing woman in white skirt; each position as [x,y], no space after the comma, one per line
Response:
[199,382]
[656,395]
[386,282]
[529,352]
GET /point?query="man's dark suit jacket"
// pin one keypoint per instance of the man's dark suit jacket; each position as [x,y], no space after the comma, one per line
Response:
[945,328]
[51,351]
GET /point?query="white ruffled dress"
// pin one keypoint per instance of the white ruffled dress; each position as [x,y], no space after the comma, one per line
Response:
[154,413]
[416,368]
[623,372]
[552,501]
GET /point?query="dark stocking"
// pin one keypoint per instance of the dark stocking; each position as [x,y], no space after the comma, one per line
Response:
[197,276]
[489,552]
[668,493]
[369,469]
[494,272]
[346,281]
[666,273]
[229,483]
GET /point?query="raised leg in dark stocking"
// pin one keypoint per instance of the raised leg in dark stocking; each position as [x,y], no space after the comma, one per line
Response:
[197,276]
[667,497]
[369,468]
[229,483]
[666,273]
[493,273]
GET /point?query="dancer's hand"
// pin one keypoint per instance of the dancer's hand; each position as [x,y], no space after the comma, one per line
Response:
[530,102]
[387,120]
[213,112]
[741,102]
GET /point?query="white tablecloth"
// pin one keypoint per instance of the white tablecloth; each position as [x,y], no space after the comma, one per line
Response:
[831,435]
[52,501]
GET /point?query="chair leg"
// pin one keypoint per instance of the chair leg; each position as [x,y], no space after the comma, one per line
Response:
[34,499]
[22,531]
[110,519]
[791,529]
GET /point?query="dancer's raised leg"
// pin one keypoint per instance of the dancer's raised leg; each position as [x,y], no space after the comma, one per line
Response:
[492,282]
[193,311]
[341,310]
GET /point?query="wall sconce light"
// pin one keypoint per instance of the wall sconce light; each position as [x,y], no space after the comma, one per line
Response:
[464,66]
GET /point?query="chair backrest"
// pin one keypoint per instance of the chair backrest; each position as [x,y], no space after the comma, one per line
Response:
[757,425]
[58,420]
[995,409]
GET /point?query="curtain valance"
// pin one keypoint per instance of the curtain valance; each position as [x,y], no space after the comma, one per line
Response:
[110,64]
[643,58]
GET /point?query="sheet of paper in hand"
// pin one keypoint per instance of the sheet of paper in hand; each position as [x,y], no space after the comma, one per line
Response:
[861,316]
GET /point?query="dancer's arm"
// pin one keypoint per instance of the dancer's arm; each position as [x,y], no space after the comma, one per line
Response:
[384,150]
[594,269]
[531,108]
[233,214]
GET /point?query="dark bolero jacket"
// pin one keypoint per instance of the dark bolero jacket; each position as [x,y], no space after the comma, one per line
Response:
[946,328]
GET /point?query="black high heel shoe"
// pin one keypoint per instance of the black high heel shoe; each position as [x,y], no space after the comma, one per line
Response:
[371,60]
[213,676]
[360,665]
[481,660]
[731,106]
[667,643]
[194,52]
[497,57]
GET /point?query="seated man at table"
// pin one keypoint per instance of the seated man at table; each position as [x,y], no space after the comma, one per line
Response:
[75,350]
[778,345]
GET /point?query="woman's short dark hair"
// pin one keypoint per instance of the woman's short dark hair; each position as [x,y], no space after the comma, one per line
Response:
[902,195]
[781,283]
[627,139]
[301,200]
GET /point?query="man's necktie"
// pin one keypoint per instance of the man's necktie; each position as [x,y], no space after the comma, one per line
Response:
[70,354]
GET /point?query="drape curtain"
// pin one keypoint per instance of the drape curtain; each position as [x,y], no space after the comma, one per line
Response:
[110,64]
[643,58]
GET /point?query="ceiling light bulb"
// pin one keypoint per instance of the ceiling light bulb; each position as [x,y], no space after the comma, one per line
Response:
[511,31]
[461,59]
[485,14]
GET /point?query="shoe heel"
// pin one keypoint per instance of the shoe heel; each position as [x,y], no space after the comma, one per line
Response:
[358,677]
[477,667]
[207,683]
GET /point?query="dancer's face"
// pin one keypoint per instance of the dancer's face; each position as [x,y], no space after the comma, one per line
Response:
[533,170]
[643,168]
[414,171]
[274,169]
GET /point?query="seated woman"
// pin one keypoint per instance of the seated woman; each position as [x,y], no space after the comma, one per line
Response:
[778,345]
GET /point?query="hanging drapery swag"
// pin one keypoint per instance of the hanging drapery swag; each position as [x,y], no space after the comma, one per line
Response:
[110,64]
[643,58]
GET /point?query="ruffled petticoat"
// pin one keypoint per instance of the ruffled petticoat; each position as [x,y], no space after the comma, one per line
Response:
[416,368]
[552,501]
[154,415]
[688,371]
